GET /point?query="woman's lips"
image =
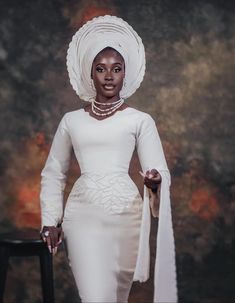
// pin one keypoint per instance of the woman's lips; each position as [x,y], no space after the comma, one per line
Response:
[109,86]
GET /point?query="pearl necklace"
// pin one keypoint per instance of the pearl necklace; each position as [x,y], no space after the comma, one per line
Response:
[105,112]
[104,103]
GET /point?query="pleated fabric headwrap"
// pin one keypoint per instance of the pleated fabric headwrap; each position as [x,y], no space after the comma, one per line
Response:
[94,36]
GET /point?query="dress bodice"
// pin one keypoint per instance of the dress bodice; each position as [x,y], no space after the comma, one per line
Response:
[103,145]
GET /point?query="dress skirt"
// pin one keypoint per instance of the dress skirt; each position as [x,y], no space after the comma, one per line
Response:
[102,247]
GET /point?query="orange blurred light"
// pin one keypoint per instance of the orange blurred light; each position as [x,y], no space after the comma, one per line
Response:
[88,12]
[26,210]
[204,204]
[27,165]
[92,11]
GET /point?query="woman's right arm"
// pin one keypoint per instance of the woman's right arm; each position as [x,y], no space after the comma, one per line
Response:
[53,181]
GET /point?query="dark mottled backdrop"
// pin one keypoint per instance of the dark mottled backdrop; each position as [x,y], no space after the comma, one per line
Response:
[188,88]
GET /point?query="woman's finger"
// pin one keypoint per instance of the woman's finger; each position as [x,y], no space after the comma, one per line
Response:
[142,174]
[152,173]
[44,233]
[61,236]
[44,239]
[155,178]
[54,237]
[48,239]
[149,175]
[150,183]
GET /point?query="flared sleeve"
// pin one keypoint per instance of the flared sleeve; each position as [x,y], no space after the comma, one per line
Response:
[151,156]
[53,176]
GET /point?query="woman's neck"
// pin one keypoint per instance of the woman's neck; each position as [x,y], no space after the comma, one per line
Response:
[102,99]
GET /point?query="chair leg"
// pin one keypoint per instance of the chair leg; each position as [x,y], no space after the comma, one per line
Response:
[46,265]
[4,255]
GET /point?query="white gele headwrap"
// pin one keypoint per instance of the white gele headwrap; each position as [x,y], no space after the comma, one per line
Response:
[90,39]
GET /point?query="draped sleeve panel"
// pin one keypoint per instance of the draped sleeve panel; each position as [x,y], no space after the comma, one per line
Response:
[54,175]
[151,155]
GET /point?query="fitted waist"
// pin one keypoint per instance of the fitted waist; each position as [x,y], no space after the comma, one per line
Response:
[107,180]
[114,191]
[104,173]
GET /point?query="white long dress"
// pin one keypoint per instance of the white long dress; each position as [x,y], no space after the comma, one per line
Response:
[106,222]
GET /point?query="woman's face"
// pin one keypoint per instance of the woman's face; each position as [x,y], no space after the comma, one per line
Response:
[108,72]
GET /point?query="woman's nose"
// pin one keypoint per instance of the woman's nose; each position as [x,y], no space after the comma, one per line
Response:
[108,75]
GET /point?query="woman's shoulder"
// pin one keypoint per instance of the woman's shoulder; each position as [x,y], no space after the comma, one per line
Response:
[73,114]
[71,118]
[141,115]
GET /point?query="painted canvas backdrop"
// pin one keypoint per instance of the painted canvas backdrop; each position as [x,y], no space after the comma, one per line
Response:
[188,89]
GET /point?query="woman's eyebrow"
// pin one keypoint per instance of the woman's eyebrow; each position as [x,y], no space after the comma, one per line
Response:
[115,63]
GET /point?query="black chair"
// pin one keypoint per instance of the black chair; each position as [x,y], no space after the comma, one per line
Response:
[27,243]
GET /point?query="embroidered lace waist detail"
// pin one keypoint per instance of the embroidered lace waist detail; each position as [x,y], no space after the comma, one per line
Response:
[114,192]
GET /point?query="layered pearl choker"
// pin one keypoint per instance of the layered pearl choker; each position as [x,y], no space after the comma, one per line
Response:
[107,111]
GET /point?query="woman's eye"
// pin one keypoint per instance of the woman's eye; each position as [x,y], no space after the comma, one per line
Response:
[99,69]
[117,69]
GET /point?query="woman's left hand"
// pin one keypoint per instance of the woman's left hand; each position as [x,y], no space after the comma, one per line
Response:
[152,179]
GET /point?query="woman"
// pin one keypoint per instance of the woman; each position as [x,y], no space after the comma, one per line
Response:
[106,223]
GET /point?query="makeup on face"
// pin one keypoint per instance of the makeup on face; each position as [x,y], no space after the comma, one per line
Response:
[108,72]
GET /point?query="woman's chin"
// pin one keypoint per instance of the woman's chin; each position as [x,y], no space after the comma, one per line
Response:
[110,94]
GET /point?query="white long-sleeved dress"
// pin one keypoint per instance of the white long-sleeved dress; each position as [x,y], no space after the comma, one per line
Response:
[106,222]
